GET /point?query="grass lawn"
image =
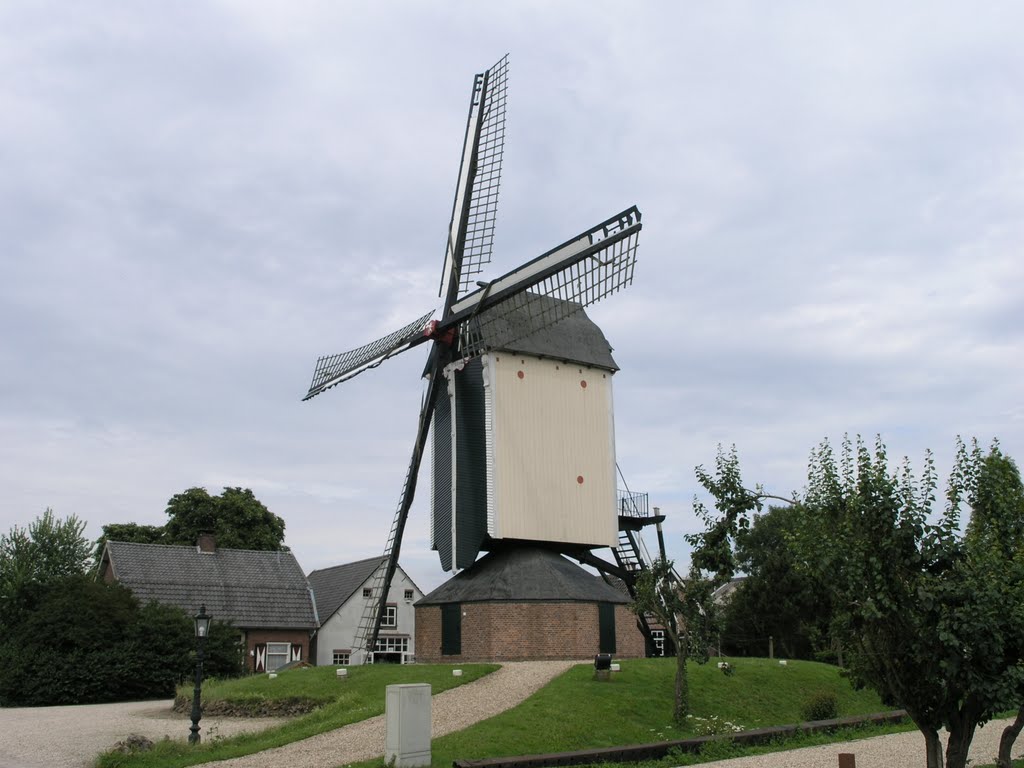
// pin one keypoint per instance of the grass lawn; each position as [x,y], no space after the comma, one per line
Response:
[576,712]
[360,697]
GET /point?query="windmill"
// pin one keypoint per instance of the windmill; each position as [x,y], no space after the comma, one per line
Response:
[476,319]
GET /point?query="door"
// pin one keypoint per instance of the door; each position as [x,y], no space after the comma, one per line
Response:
[451,629]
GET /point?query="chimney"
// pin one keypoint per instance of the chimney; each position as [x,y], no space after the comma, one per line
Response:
[207,543]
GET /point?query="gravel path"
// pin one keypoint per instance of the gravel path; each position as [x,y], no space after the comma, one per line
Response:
[72,737]
[451,710]
[897,750]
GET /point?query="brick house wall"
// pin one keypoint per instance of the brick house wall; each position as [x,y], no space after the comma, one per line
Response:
[254,637]
[498,631]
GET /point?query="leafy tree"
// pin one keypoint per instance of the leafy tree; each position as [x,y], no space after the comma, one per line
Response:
[50,548]
[130,532]
[682,608]
[236,517]
[930,616]
[778,598]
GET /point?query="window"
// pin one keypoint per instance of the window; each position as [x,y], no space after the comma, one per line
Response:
[658,636]
[277,655]
[390,619]
[408,595]
[367,592]
[341,658]
[392,645]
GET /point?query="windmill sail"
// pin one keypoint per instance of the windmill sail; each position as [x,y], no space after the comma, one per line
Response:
[578,273]
[474,212]
[331,370]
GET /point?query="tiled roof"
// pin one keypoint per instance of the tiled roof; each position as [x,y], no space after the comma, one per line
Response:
[523,574]
[249,588]
[334,586]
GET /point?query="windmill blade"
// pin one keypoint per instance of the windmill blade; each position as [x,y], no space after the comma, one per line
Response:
[331,370]
[474,212]
[550,288]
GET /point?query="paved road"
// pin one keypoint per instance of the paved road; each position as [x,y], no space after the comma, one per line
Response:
[72,737]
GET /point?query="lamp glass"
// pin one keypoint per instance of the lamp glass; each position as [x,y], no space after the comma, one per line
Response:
[202,623]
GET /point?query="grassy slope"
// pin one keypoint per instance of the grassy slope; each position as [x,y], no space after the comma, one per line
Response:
[576,712]
[361,697]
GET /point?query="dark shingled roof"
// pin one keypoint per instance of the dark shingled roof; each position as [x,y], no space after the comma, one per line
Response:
[333,586]
[577,338]
[250,589]
[524,574]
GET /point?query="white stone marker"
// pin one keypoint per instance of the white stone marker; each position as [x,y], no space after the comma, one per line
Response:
[407,725]
[342,674]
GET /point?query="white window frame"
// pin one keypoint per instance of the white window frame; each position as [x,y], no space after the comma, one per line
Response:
[390,619]
[392,644]
[658,637]
[342,658]
[282,656]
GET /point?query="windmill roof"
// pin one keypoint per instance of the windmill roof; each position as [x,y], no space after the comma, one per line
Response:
[524,574]
[577,338]
[332,587]
[249,588]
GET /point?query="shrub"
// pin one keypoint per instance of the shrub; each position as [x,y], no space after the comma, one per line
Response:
[820,705]
[79,641]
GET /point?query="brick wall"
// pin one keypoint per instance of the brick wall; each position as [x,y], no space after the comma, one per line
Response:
[294,636]
[526,631]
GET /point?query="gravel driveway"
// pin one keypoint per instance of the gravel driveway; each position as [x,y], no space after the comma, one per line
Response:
[72,737]
[897,750]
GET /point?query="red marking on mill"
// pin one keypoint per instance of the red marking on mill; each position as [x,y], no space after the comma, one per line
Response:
[579,479]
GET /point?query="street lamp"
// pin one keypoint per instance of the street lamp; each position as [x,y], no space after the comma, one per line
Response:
[202,630]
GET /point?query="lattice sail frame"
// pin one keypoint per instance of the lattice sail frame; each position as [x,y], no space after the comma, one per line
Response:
[475,209]
[483,206]
[570,286]
[331,370]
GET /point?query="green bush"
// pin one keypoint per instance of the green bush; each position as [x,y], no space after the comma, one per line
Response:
[79,641]
[820,705]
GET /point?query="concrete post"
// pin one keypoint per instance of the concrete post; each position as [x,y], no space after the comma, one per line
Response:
[407,725]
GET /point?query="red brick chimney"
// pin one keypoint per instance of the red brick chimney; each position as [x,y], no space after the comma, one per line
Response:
[207,543]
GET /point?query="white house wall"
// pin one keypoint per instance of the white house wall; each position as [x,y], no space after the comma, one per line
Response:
[339,631]
[553,451]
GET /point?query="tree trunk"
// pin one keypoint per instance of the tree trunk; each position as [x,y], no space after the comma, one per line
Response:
[1009,736]
[933,747]
[961,732]
[682,688]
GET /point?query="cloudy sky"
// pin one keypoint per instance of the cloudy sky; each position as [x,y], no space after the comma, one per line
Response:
[198,199]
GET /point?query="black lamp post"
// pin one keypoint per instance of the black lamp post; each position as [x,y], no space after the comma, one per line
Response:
[202,630]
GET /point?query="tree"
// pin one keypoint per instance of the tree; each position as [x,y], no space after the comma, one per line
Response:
[236,517]
[778,598]
[49,548]
[130,532]
[683,610]
[930,616]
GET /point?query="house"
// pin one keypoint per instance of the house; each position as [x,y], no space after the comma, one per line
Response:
[525,603]
[263,594]
[342,593]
